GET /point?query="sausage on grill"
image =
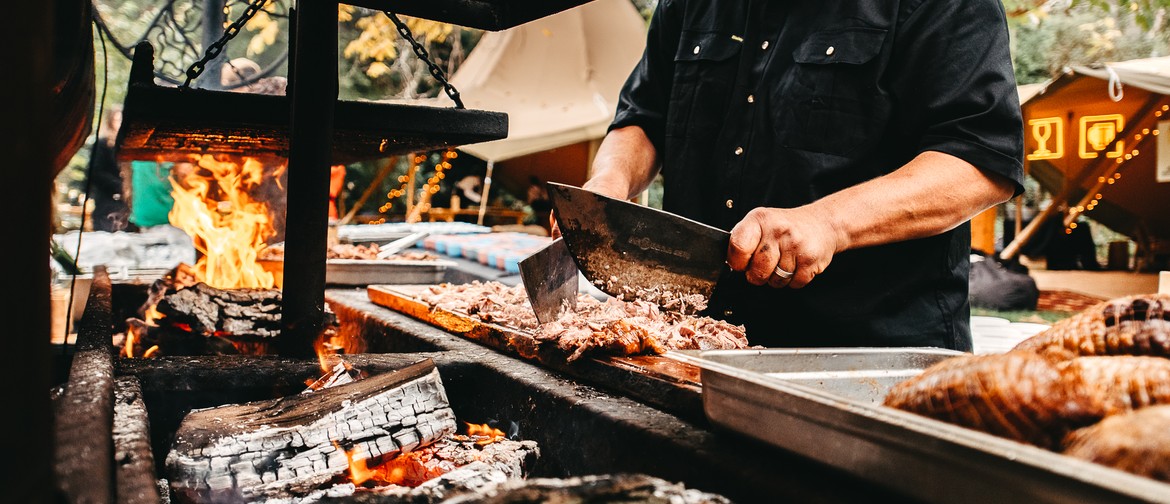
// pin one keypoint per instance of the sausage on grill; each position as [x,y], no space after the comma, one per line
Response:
[1017,395]
[1135,442]
[1131,325]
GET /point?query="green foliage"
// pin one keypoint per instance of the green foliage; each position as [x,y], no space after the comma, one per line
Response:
[1047,40]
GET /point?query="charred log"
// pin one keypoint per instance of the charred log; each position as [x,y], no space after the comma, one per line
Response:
[480,484]
[296,445]
[205,310]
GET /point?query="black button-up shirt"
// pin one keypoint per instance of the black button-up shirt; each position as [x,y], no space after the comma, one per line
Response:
[775,103]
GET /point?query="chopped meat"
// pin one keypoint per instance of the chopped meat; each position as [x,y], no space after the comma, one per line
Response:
[612,327]
[352,251]
[1135,442]
[1016,395]
[1131,325]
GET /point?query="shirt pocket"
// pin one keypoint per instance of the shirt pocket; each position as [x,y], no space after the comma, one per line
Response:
[835,104]
[704,73]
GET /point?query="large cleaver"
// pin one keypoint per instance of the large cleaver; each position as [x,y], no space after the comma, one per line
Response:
[550,278]
[625,248]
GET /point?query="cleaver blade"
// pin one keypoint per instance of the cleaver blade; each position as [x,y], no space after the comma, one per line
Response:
[550,279]
[627,249]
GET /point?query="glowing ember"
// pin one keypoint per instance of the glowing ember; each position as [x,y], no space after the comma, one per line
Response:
[214,204]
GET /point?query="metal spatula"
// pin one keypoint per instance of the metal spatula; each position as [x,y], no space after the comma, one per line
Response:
[400,244]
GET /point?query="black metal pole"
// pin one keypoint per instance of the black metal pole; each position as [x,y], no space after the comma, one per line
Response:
[313,85]
[213,19]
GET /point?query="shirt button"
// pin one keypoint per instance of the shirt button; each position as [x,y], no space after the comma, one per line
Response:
[828,52]
[727,313]
[696,51]
[738,151]
[751,99]
[730,203]
[764,45]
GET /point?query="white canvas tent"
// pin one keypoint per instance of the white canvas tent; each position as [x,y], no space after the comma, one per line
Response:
[557,77]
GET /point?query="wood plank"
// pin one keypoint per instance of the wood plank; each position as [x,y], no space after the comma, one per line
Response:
[658,380]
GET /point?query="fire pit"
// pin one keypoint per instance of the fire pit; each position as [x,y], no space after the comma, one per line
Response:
[580,429]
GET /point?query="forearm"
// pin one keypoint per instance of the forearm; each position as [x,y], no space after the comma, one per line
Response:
[625,164]
[931,194]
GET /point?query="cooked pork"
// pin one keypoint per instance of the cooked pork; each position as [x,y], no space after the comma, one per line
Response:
[1135,442]
[1017,395]
[1131,325]
[612,327]
[1123,382]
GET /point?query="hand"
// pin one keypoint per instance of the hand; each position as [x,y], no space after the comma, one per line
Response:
[792,239]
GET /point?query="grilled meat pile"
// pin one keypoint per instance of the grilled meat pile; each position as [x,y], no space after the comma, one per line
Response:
[611,327]
[352,251]
[1094,386]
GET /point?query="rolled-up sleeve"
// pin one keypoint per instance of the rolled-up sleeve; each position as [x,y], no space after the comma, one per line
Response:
[646,93]
[956,84]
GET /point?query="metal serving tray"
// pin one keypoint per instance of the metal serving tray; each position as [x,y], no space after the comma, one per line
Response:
[361,272]
[826,404]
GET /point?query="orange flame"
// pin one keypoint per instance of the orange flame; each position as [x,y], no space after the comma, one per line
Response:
[213,204]
[484,434]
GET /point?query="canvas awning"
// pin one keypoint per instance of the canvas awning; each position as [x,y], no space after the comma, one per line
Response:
[557,77]
[1097,139]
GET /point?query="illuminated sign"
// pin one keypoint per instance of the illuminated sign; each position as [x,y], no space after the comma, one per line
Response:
[1096,133]
[1048,132]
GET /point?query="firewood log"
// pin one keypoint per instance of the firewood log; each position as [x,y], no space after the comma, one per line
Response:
[294,445]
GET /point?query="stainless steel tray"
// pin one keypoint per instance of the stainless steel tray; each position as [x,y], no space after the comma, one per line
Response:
[361,272]
[826,404]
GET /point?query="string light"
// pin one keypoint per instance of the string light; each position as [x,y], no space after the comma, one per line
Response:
[431,187]
[1076,211]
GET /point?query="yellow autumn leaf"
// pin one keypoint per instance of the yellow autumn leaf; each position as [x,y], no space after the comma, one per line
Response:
[377,69]
[344,13]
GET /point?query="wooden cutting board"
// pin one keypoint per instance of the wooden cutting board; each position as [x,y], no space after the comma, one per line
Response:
[664,382]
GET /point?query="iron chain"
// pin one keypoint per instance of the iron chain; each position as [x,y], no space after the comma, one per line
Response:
[215,48]
[421,52]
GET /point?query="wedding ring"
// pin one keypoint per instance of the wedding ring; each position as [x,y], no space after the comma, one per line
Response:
[784,275]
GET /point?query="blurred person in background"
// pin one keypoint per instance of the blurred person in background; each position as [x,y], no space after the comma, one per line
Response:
[110,211]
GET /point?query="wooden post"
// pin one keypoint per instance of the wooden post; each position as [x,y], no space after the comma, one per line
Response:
[313,88]
[983,231]
[1164,282]
[487,186]
[25,139]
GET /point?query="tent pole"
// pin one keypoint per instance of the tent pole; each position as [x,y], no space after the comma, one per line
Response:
[487,187]
[1098,165]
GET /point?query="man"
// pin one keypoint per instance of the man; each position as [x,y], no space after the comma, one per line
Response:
[844,144]
[110,211]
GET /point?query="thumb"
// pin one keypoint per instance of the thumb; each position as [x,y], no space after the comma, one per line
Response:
[745,238]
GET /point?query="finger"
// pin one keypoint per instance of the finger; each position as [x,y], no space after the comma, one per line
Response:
[806,271]
[745,239]
[786,262]
[763,263]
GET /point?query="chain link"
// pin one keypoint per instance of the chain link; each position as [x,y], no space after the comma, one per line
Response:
[421,52]
[214,49]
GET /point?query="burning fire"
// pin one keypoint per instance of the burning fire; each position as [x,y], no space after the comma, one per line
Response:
[416,467]
[214,204]
[484,434]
